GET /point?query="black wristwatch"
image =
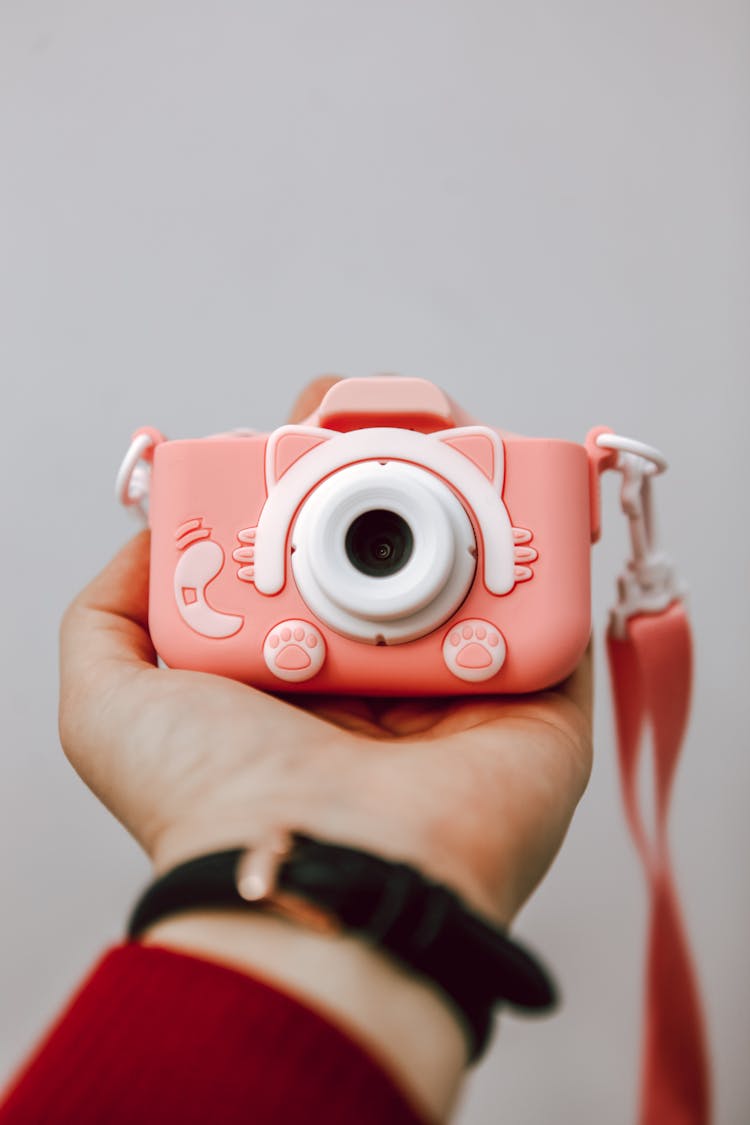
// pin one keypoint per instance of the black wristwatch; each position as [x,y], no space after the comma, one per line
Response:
[332,888]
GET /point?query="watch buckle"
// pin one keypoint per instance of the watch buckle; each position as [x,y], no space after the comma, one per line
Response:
[257,881]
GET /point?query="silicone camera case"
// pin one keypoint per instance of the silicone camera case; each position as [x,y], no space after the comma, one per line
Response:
[388,545]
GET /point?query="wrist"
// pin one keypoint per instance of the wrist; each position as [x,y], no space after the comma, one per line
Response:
[377,820]
[402,1020]
[419,924]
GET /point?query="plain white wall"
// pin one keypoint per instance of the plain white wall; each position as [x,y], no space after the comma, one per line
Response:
[540,206]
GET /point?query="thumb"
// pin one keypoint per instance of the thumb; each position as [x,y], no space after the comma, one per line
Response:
[106,626]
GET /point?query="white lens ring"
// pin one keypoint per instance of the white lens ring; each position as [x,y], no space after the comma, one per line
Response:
[416,598]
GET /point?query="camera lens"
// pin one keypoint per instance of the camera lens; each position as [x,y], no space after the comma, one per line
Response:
[383,550]
[379,543]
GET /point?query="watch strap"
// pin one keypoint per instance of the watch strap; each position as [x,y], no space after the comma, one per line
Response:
[420,923]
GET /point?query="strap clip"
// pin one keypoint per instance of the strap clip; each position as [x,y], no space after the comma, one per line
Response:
[649,582]
[134,475]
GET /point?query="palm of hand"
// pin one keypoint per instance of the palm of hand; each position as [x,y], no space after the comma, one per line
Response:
[477,792]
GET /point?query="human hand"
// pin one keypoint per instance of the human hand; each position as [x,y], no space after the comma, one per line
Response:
[476,792]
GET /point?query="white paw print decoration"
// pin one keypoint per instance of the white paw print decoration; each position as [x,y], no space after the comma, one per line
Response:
[474,650]
[294,651]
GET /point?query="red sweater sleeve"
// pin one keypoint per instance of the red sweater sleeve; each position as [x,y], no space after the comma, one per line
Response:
[155,1036]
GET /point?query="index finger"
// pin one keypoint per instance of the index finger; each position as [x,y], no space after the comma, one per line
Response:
[311,397]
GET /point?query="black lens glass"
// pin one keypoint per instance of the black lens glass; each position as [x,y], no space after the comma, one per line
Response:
[379,543]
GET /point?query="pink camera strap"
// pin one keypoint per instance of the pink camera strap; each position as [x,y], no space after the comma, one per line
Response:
[651,671]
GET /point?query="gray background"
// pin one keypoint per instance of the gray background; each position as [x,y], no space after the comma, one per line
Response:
[541,207]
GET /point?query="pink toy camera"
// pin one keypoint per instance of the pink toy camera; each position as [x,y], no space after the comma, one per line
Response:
[388,545]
